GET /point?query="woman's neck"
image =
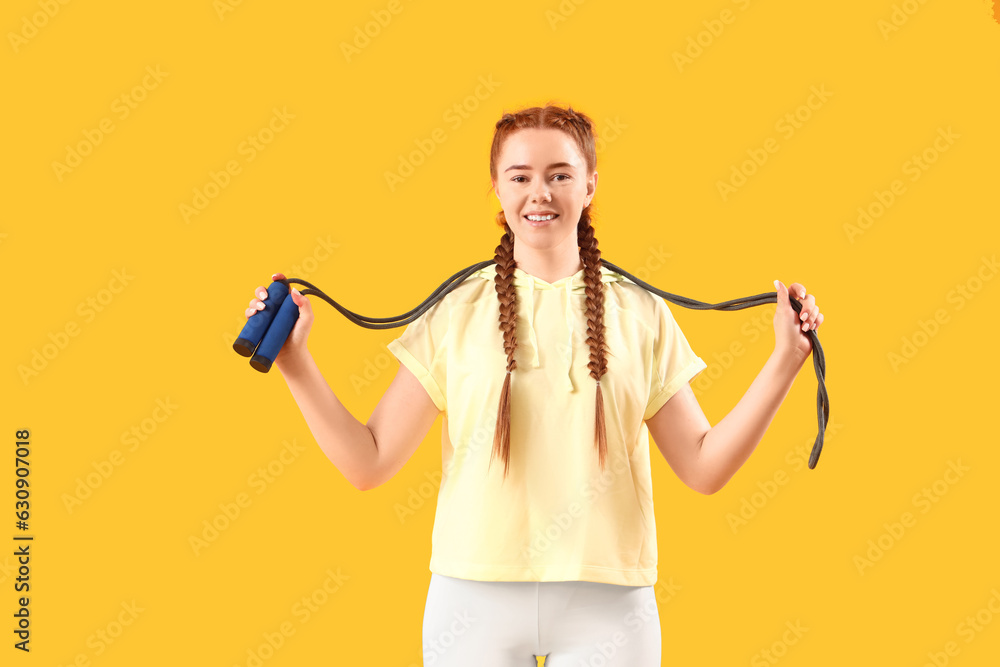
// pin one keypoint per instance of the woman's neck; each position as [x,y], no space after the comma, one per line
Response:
[548,268]
[549,264]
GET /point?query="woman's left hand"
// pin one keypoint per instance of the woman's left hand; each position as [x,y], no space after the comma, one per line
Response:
[790,328]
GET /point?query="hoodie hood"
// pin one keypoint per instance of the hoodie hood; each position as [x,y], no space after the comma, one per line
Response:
[526,286]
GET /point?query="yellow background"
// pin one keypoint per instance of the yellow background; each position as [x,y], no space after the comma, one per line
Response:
[315,204]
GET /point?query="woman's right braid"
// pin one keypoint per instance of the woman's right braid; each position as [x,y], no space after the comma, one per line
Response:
[507,295]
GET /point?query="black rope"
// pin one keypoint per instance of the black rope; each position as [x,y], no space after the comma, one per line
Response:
[819,361]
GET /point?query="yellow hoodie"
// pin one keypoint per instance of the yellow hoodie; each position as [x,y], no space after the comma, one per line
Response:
[556,517]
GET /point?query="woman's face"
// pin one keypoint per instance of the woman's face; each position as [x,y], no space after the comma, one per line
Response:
[541,170]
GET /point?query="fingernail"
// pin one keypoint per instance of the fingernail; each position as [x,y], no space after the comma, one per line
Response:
[296,291]
[776,284]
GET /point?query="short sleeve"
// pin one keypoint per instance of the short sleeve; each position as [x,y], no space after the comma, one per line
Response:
[674,362]
[422,348]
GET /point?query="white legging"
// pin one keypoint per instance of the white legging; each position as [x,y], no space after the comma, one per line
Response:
[508,623]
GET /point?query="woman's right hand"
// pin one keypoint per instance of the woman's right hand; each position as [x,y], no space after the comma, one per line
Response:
[295,346]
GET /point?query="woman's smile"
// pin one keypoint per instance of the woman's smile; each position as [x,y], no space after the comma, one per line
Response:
[545,220]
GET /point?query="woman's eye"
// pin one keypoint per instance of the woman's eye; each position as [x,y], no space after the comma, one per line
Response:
[566,176]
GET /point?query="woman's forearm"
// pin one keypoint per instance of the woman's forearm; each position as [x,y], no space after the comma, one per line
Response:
[347,442]
[728,444]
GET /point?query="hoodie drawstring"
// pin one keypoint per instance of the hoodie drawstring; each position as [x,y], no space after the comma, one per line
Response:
[531,323]
[567,353]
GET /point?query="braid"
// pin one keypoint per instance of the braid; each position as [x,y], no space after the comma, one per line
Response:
[582,122]
[580,128]
[507,295]
[591,256]
[506,119]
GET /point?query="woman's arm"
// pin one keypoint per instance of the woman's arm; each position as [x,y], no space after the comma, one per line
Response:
[349,444]
[706,457]
[368,455]
[728,444]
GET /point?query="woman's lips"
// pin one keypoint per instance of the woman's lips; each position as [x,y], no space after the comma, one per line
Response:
[539,223]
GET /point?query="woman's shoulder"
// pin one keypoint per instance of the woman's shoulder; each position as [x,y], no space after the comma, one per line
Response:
[636,305]
[628,294]
[461,295]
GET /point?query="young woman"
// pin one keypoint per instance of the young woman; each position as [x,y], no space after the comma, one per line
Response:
[558,370]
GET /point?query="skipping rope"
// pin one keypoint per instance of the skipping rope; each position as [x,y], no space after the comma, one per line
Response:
[280,308]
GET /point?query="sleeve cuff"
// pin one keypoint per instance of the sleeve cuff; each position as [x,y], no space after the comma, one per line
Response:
[418,370]
[696,366]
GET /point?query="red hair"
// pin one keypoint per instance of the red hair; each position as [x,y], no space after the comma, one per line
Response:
[581,129]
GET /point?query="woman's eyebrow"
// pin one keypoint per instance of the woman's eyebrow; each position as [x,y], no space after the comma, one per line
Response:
[554,165]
